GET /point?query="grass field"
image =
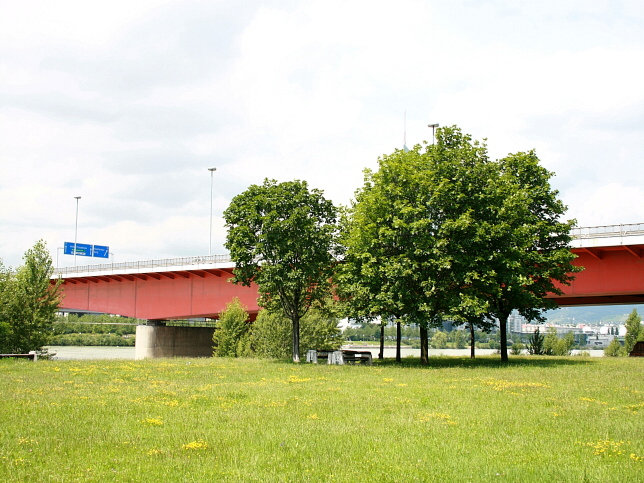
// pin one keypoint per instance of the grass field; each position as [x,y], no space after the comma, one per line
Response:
[536,419]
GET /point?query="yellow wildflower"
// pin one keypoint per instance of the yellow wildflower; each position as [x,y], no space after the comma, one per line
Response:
[195,445]
[152,421]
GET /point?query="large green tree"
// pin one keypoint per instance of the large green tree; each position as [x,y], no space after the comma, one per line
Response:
[409,235]
[282,236]
[28,302]
[525,241]
[443,230]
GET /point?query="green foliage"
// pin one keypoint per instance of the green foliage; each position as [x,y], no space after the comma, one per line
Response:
[439,340]
[282,236]
[535,345]
[28,302]
[550,341]
[112,340]
[232,332]
[271,333]
[443,231]
[633,331]
[458,338]
[517,348]
[555,346]
[94,324]
[614,349]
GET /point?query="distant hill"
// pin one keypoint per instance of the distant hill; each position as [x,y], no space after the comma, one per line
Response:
[593,315]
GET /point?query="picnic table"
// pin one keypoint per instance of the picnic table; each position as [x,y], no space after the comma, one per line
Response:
[340,357]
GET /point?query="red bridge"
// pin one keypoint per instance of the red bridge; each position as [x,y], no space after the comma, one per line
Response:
[179,288]
[182,288]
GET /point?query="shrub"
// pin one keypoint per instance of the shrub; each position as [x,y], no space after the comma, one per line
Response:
[272,333]
[535,345]
[614,349]
[517,348]
[439,340]
[232,333]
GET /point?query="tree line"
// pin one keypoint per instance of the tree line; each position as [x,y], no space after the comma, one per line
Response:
[438,231]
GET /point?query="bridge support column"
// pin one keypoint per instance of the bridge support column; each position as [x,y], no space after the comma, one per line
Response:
[158,340]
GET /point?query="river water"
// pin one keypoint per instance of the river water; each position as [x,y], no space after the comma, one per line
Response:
[101,353]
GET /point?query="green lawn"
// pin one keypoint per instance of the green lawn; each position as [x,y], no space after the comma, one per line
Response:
[536,419]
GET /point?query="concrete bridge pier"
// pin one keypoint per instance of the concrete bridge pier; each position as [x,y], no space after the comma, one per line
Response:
[158,340]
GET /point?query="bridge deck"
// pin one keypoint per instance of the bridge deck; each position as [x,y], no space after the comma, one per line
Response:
[613,257]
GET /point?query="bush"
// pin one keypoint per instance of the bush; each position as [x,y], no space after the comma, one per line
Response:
[272,333]
[438,340]
[92,340]
[535,345]
[555,346]
[517,348]
[614,349]
[232,333]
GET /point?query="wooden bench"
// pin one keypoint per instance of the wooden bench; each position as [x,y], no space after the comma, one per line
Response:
[363,357]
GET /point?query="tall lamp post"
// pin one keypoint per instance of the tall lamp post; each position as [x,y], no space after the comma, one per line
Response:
[433,126]
[212,172]
[76,229]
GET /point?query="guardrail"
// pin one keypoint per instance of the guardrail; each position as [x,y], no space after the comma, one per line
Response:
[577,232]
[608,230]
[143,264]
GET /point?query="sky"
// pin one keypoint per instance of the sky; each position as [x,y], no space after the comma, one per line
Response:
[128,103]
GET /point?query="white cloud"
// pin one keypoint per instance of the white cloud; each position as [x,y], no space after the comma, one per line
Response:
[127,104]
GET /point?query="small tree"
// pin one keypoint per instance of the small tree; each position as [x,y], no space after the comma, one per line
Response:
[29,302]
[535,345]
[282,236]
[550,342]
[232,333]
[633,331]
[565,344]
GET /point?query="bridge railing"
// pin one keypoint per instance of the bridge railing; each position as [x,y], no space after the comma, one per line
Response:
[577,232]
[144,264]
[607,230]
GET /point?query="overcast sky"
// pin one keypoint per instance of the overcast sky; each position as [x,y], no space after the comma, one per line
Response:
[127,103]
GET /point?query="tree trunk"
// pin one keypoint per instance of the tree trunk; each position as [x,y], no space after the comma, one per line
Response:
[472,341]
[503,326]
[424,348]
[398,337]
[381,354]
[296,339]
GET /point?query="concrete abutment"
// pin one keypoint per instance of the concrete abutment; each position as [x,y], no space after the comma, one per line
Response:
[153,341]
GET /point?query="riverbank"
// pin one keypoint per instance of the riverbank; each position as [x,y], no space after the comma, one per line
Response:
[106,353]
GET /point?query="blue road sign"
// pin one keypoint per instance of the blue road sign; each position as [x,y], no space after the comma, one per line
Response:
[68,248]
[85,250]
[101,251]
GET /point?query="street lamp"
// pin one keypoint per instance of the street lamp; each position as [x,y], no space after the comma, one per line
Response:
[433,126]
[76,228]
[212,172]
